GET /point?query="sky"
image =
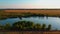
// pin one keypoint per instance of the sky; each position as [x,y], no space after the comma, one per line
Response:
[30,4]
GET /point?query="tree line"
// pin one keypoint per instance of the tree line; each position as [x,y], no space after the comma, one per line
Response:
[25,26]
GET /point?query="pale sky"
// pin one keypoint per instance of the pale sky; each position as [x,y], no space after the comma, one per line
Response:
[29,4]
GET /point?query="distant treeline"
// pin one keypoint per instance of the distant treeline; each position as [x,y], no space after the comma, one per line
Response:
[25,26]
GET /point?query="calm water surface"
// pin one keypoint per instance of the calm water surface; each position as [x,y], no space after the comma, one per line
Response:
[54,21]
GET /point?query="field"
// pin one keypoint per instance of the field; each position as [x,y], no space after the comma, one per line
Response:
[37,11]
[47,12]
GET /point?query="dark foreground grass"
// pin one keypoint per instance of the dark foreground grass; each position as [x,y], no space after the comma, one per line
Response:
[30,32]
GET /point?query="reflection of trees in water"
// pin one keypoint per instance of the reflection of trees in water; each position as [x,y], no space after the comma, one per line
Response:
[41,17]
[46,17]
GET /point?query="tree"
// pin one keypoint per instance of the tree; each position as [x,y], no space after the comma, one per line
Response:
[23,25]
[27,25]
[43,27]
[37,26]
[1,27]
[7,26]
[49,27]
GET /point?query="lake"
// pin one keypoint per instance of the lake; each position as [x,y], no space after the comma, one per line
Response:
[54,21]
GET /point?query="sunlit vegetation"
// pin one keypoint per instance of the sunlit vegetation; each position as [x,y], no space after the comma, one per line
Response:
[5,15]
[25,26]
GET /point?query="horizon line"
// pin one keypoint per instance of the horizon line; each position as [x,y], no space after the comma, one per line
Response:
[30,9]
